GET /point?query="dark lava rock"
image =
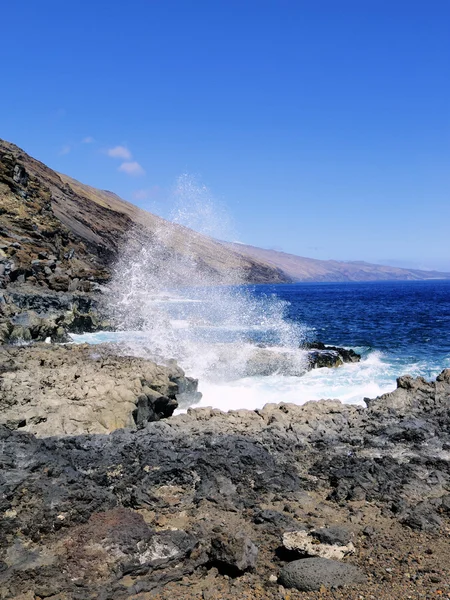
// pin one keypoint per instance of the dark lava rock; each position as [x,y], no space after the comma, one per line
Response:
[310,574]
[334,535]
[233,554]
[275,518]
[111,516]
[321,355]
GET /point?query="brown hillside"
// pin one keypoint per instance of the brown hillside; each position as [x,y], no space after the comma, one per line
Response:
[299,268]
[55,229]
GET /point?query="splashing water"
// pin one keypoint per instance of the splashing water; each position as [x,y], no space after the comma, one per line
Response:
[196,208]
[217,333]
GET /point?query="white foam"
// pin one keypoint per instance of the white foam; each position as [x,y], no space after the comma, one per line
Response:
[223,384]
[350,383]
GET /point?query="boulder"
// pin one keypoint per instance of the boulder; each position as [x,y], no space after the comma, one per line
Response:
[83,389]
[321,355]
[311,574]
[233,554]
[59,283]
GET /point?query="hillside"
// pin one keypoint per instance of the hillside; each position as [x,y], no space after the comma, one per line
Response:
[59,233]
[299,268]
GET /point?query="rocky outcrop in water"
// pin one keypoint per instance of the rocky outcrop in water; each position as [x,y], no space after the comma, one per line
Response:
[52,390]
[321,355]
[262,360]
[199,505]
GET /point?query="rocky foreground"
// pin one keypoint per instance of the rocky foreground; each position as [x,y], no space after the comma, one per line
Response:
[322,500]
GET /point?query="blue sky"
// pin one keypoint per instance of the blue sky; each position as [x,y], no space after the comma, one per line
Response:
[323,126]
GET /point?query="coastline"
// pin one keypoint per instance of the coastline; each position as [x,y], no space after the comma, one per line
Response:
[105,495]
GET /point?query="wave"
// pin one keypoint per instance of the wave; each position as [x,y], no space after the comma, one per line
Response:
[225,385]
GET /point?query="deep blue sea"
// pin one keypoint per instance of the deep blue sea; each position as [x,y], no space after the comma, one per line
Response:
[408,322]
[397,327]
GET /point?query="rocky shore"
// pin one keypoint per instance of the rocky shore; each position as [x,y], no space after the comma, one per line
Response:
[104,494]
[285,502]
[54,390]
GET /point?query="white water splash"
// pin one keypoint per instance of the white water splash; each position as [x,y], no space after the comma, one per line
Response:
[214,331]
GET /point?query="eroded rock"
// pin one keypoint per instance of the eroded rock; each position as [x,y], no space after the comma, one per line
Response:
[85,389]
[309,544]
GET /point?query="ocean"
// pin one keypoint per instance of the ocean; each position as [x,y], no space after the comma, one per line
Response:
[397,327]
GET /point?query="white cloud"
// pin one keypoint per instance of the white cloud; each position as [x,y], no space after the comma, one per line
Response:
[147,194]
[119,152]
[65,150]
[132,168]
[88,140]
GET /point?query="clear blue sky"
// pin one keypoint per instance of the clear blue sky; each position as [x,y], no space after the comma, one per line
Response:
[323,125]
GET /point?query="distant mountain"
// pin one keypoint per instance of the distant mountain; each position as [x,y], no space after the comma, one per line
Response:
[299,268]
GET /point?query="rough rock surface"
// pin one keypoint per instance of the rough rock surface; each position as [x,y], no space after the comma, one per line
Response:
[29,313]
[320,355]
[167,511]
[54,390]
[308,544]
[314,573]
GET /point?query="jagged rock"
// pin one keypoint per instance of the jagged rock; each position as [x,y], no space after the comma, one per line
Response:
[233,554]
[77,389]
[48,314]
[309,544]
[334,535]
[311,574]
[59,283]
[203,479]
[320,355]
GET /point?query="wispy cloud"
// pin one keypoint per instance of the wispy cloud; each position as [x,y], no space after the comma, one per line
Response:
[88,140]
[119,152]
[65,150]
[147,194]
[132,168]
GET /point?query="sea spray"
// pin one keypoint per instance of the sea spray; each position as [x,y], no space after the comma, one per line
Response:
[180,308]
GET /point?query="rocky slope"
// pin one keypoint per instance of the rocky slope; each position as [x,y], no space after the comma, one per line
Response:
[60,239]
[58,233]
[238,505]
[299,268]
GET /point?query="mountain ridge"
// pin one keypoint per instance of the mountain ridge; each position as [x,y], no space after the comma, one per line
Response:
[300,268]
[58,232]
[55,229]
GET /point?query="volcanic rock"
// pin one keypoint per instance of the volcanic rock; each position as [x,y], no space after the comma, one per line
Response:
[308,544]
[312,574]
[233,554]
[172,507]
[51,390]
